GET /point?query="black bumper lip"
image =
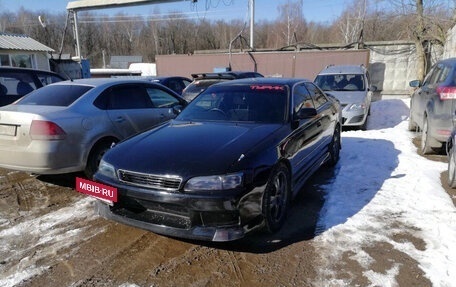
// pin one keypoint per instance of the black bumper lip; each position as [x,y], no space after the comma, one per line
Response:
[217,216]
[219,234]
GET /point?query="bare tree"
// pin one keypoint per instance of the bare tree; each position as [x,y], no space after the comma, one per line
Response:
[426,23]
[291,21]
[351,23]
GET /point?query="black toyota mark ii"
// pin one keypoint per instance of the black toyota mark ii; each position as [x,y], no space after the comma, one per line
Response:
[230,162]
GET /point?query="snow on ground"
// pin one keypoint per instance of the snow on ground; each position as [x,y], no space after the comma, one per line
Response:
[383,188]
[25,244]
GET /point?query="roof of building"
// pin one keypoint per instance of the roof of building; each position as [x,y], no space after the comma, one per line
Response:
[21,43]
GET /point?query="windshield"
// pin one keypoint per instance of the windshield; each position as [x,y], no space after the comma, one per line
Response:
[341,82]
[239,103]
[54,95]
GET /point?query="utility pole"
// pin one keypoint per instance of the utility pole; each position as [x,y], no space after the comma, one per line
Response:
[252,21]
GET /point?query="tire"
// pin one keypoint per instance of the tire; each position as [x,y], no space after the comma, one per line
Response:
[276,199]
[334,147]
[425,138]
[411,123]
[95,156]
[452,169]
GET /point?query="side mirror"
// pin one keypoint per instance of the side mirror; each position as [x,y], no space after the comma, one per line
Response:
[177,109]
[373,88]
[415,84]
[306,113]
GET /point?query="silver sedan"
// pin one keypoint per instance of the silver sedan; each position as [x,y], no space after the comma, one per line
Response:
[67,126]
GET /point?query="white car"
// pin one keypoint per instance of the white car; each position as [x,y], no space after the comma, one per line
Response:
[67,126]
[350,84]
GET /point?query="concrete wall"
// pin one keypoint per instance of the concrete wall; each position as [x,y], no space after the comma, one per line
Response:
[449,50]
[392,65]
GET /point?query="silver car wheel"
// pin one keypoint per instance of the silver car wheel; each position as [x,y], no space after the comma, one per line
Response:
[425,148]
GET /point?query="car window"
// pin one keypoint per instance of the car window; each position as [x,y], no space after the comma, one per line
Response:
[56,95]
[317,95]
[17,84]
[443,74]
[301,98]
[240,103]
[47,79]
[433,75]
[125,97]
[160,98]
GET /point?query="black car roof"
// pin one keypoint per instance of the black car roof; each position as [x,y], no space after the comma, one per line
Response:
[265,81]
[224,75]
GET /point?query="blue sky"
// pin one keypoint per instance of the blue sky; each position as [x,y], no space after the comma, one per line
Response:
[319,11]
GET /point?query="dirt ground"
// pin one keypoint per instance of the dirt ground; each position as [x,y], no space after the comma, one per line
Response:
[111,254]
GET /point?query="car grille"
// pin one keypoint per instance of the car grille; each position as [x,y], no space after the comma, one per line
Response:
[169,183]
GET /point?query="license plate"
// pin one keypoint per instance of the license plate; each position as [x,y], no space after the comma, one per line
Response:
[103,192]
[7,130]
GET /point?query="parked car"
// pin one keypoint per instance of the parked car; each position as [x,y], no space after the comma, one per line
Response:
[432,106]
[230,162]
[175,83]
[67,126]
[16,82]
[351,85]
[204,80]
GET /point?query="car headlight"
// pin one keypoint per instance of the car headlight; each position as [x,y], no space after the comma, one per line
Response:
[360,106]
[214,182]
[107,169]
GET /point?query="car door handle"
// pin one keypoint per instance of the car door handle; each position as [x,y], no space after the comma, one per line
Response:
[120,119]
[319,124]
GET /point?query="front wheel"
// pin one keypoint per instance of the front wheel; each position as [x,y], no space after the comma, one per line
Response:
[277,198]
[334,147]
[425,138]
[452,168]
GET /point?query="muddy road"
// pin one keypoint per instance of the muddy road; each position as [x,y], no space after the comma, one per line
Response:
[50,236]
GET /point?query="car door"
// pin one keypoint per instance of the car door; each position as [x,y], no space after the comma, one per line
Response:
[300,146]
[424,94]
[130,109]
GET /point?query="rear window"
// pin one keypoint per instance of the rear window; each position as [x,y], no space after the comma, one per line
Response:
[55,95]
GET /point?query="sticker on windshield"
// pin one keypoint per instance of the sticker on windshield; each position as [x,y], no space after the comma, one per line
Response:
[267,87]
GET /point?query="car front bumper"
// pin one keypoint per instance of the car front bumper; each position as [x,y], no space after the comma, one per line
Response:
[218,216]
[354,117]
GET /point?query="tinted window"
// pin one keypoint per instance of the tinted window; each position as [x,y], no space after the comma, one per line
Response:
[47,79]
[17,83]
[160,98]
[58,95]
[128,97]
[318,96]
[255,103]
[301,98]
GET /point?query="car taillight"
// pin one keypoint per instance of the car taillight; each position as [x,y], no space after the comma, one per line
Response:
[46,130]
[446,93]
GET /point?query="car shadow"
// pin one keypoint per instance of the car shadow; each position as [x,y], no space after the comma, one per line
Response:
[64,180]
[330,197]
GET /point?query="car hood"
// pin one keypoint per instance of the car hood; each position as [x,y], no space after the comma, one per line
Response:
[188,149]
[348,97]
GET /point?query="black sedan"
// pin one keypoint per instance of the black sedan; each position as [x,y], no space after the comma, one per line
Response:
[232,161]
